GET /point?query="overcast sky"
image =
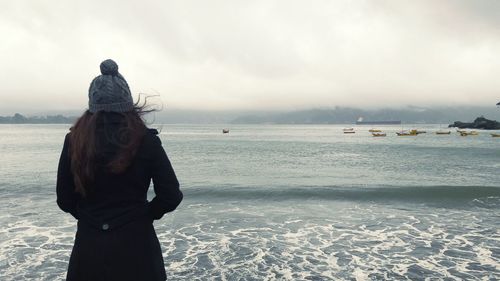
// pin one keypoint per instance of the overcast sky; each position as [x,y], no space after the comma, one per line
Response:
[253,54]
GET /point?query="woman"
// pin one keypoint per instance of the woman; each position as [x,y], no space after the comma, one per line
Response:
[108,160]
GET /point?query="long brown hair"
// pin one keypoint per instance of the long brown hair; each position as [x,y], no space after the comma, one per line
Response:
[92,131]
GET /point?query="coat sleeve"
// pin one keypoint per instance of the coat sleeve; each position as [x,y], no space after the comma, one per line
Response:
[67,198]
[166,186]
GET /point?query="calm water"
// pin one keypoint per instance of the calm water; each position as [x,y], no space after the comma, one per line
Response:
[269,202]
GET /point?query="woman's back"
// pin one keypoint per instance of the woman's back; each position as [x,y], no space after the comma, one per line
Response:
[107,163]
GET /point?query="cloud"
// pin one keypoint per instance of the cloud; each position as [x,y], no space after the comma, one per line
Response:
[254,54]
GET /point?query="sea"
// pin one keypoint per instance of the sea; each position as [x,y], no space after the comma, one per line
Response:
[282,202]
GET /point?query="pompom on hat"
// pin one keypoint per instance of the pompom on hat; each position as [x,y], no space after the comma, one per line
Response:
[109,91]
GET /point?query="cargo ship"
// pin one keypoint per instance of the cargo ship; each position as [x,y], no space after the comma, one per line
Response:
[381,122]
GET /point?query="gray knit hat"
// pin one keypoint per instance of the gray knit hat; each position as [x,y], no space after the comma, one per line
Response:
[110,91]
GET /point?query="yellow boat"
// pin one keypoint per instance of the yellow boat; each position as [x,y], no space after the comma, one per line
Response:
[495,135]
[407,133]
[374,131]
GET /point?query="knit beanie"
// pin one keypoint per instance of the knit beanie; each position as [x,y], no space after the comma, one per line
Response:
[110,91]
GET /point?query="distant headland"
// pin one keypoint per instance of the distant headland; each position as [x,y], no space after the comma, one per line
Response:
[48,119]
[328,115]
[346,115]
[479,123]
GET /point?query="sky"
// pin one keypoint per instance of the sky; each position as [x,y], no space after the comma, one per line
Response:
[253,55]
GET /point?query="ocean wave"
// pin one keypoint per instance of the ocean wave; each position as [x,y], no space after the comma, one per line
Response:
[355,193]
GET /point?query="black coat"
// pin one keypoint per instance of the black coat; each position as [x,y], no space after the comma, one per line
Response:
[115,238]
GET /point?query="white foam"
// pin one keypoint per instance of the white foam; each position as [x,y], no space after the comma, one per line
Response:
[228,246]
[359,274]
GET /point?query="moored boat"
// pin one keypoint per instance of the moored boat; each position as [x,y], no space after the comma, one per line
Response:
[407,133]
[442,132]
[471,133]
[374,131]
[495,135]
[379,134]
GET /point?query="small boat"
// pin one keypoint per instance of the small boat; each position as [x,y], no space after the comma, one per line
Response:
[225,131]
[402,134]
[407,133]
[442,131]
[374,131]
[471,133]
[349,131]
[420,132]
[379,134]
[495,135]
